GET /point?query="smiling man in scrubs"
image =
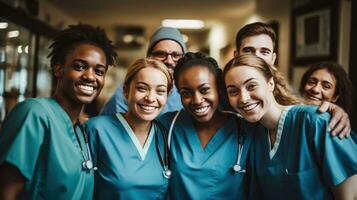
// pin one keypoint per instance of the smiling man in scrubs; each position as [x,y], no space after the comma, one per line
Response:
[43,151]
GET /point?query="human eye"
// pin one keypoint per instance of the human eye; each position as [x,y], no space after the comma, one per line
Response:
[176,55]
[161,91]
[252,86]
[78,66]
[100,71]
[247,50]
[265,51]
[233,91]
[326,85]
[185,93]
[311,81]
[141,88]
[204,90]
[159,54]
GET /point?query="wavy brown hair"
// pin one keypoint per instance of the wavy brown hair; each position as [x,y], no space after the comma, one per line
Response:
[282,92]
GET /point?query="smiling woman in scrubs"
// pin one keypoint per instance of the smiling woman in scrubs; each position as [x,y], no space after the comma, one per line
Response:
[129,148]
[294,155]
[204,142]
[42,147]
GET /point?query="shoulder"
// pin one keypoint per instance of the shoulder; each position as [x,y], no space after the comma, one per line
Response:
[101,120]
[308,113]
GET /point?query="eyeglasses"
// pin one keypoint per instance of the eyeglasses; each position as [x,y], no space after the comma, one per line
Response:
[162,55]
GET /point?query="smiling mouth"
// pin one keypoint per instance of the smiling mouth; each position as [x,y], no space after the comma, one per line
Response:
[249,107]
[200,110]
[147,108]
[86,89]
[314,98]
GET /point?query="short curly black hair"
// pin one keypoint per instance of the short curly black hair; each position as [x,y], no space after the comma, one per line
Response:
[198,59]
[74,35]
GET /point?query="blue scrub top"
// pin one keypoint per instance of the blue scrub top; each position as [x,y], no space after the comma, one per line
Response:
[206,173]
[38,139]
[118,104]
[305,161]
[124,170]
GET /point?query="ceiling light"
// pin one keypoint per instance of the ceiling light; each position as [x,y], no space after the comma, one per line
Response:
[183,23]
[13,34]
[3,25]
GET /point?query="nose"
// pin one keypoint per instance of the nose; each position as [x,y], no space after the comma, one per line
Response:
[244,96]
[150,97]
[169,61]
[316,88]
[197,99]
[89,74]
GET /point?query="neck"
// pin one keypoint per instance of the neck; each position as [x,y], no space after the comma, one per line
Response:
[207,130]
[271,119]
[141,128]
[73,109]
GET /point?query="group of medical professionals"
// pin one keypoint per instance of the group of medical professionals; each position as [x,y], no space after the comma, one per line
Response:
[180,127]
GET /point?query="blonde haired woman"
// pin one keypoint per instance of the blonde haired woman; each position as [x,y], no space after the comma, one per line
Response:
[130,149]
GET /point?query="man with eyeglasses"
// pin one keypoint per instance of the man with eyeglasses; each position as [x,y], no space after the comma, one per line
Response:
[166,45]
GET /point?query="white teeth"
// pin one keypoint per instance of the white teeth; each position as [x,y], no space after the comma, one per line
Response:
[147,108]
[201,110]
[314,98]
[86,88]
[249,107]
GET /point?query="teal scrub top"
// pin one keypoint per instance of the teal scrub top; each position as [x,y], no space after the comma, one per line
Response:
[206,173]
[124,170]
[38,139]
[305,161]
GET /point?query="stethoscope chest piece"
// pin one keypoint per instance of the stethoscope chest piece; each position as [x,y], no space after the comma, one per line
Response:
[237,168]
[87,165]
[167,173]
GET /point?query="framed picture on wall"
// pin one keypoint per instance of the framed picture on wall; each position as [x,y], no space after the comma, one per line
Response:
[314,34]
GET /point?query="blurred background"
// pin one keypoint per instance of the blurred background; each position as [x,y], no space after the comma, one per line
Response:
[308,31]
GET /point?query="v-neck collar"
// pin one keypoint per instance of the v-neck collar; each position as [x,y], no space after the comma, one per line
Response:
[142,150]
[279,133]
[219,136]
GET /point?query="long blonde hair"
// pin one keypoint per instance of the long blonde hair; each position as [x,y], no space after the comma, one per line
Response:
[143,63]
[282,92]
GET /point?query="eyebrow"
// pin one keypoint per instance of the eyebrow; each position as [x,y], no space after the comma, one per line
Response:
[147,85]
[229,86]
[85,62]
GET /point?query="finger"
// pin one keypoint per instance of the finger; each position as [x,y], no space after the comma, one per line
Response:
[337,130]
[324,106]
[336,119]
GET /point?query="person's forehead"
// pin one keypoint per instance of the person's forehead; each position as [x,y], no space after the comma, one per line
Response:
[324,75]
[258,41]
[167,46]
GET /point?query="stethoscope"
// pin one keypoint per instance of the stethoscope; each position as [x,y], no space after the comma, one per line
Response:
[87,164]
[165,159]
[240,140]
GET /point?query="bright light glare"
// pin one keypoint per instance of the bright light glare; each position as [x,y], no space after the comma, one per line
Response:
[3,25]
[13,34]
[183,23]
[19,49]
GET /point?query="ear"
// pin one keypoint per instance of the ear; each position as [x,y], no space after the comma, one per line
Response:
[271,84]
[274,58]
[58,70]
[335,98]
[126,92]
[235,53]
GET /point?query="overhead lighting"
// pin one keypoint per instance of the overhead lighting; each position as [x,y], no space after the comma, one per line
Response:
[183,23]
[13,34]
[3,25]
